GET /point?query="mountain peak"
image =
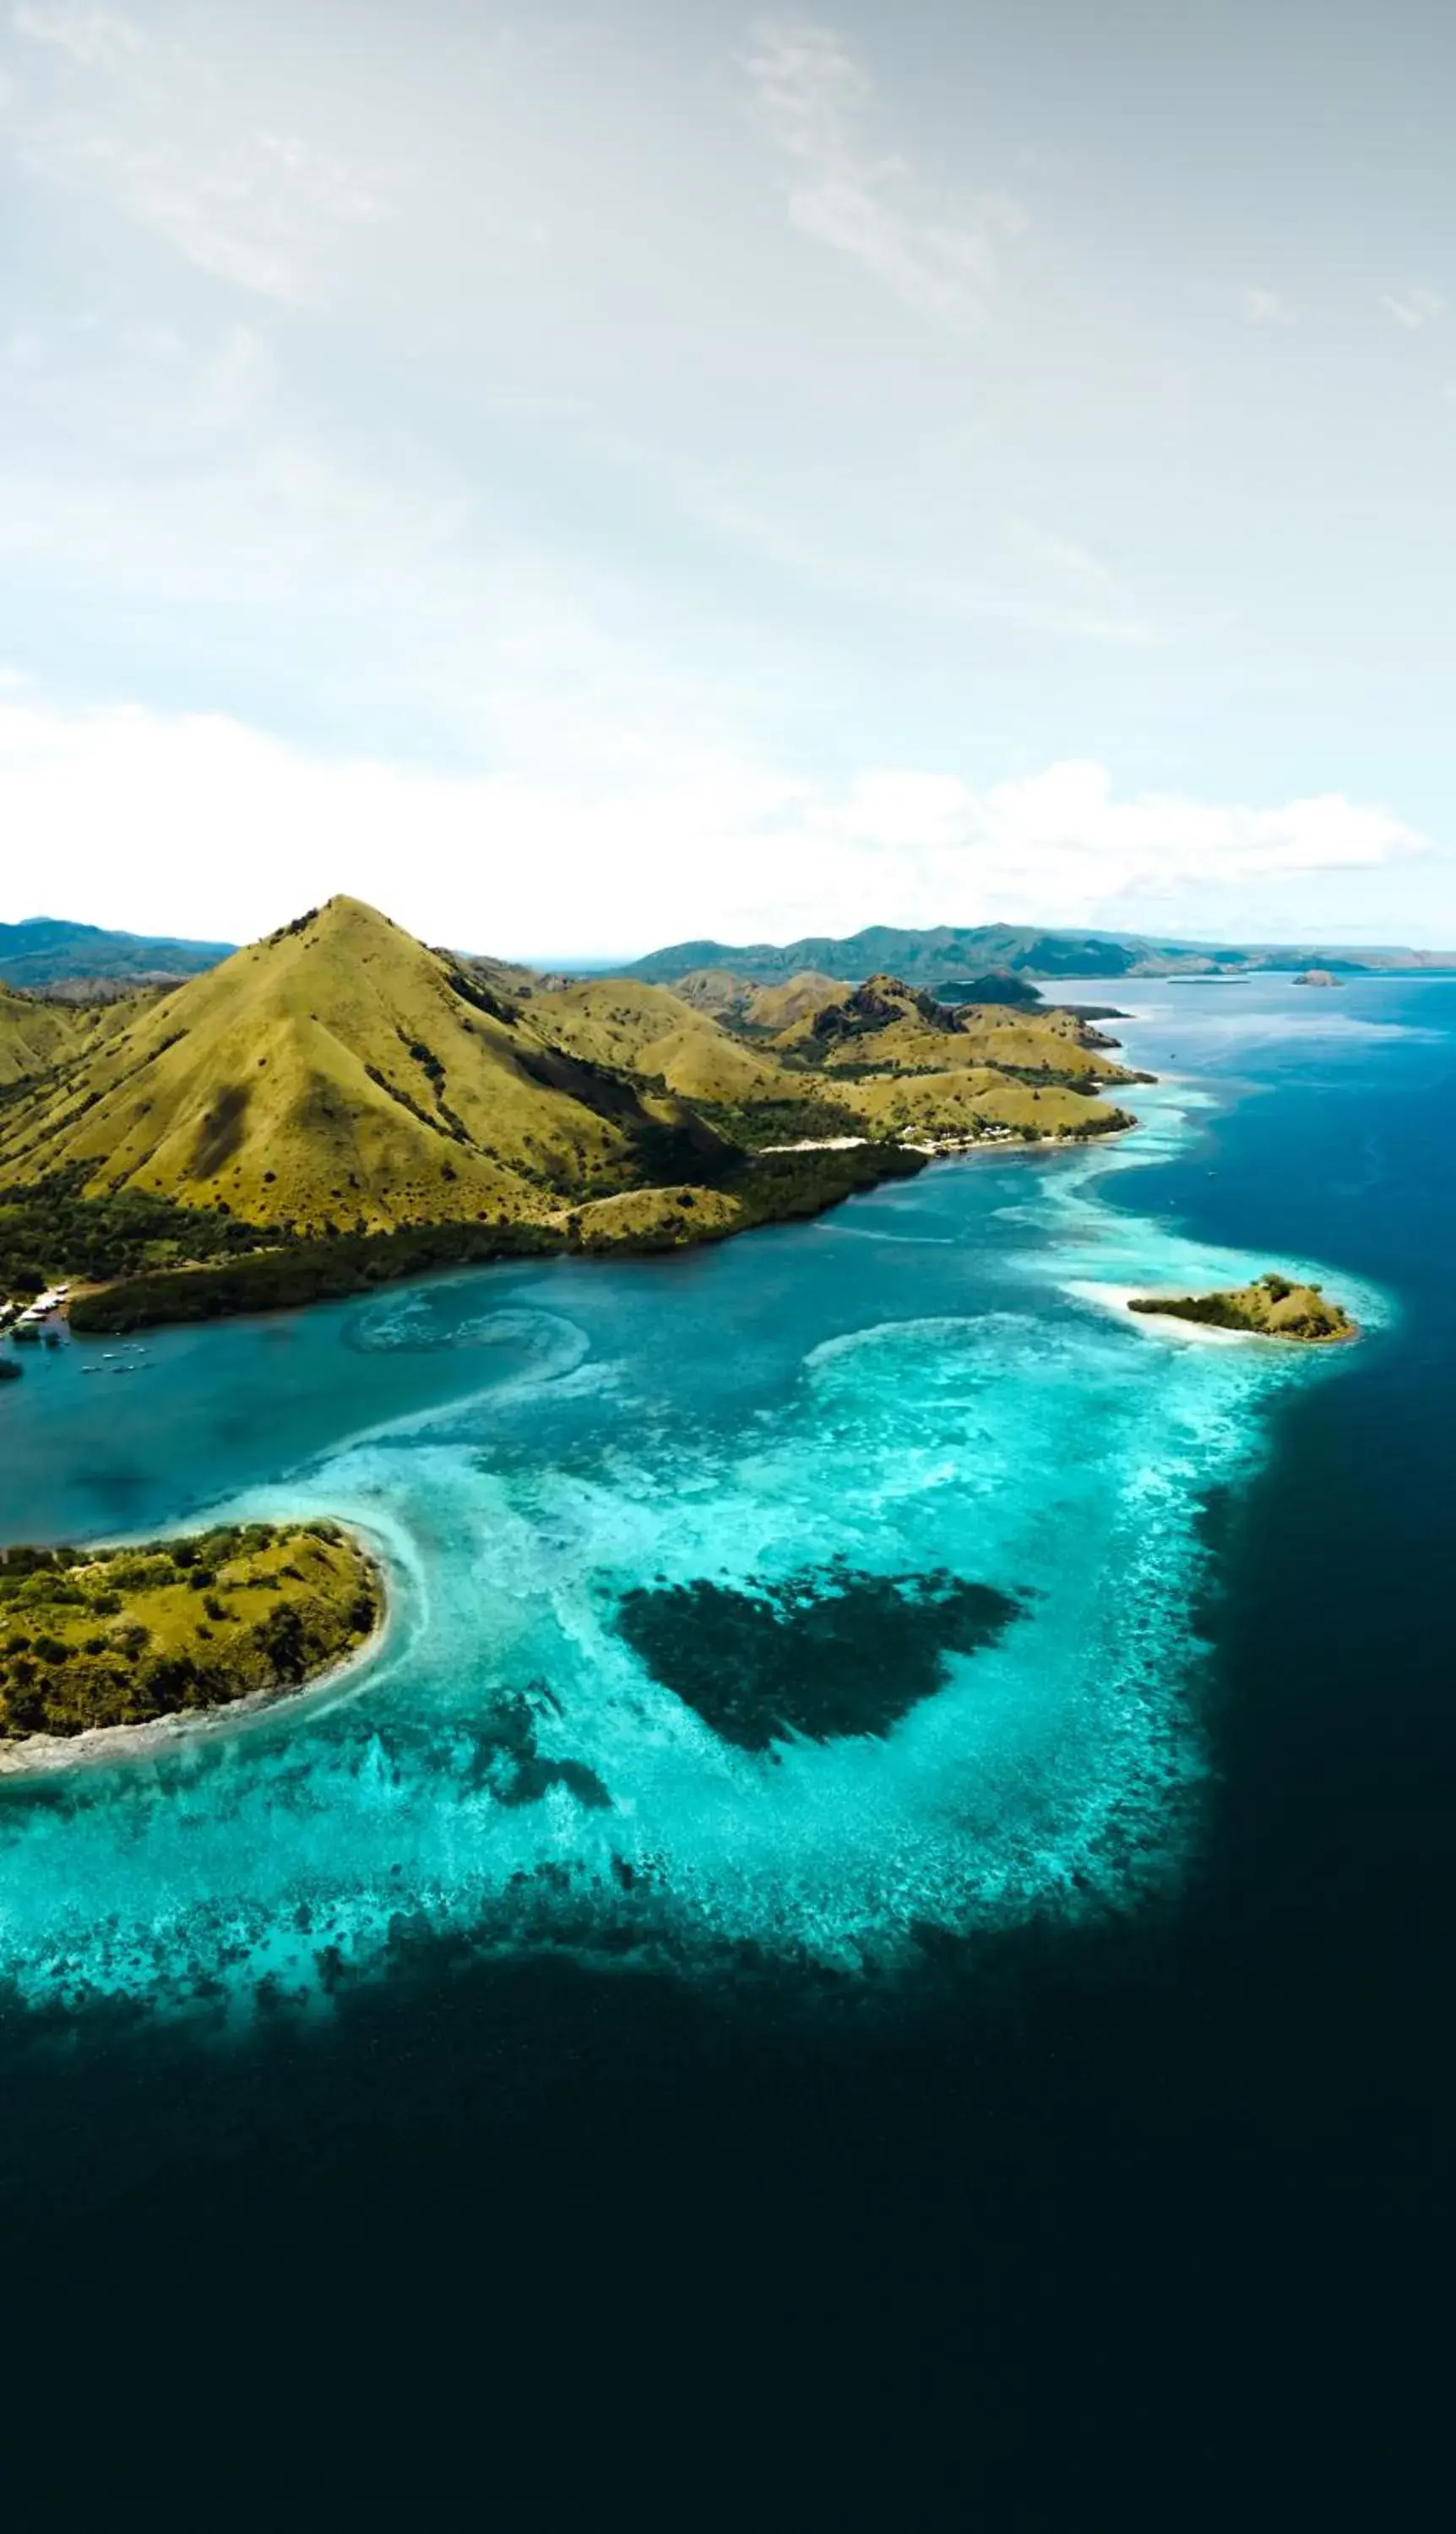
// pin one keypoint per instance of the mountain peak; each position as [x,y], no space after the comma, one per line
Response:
[337,1071]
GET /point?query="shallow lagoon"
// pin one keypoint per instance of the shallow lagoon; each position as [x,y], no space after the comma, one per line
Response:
[909,1398]
[907,1389]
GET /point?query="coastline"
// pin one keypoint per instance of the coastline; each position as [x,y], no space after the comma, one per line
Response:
[45,1755]
[943,1148]
[952,1149]
[1117,1299]
[344,1266]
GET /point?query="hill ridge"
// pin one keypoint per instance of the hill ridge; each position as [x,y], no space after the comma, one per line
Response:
[930,956]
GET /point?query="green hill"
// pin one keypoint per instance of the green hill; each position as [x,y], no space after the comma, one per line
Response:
[336,1074]
[341,1077]
[742,1004]
[889,1025]
[655,1033]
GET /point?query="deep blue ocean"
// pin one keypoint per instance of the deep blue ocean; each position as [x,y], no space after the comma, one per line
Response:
[875,1946]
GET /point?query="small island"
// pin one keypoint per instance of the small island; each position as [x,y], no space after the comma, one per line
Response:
[1273,1306]
[128,1637]
[1315,976]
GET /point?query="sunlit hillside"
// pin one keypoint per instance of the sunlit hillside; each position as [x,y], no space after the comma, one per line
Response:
[879,1060]
[35,1036]
[336,1073]
[340,1078]
[650,1030]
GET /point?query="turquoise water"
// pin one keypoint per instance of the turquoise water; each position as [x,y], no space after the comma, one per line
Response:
[926,1384]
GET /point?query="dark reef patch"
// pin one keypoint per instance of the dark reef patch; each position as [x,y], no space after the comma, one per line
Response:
[828,1652]
[507,1759]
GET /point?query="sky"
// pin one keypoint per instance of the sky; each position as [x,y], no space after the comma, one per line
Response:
[587,477]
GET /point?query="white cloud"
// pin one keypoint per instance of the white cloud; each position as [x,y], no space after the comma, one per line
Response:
[85,35]
[162,397]
[1413,307]
[1082,605]
[607,842]
[135,118]
[1066,556]
[1067,829]
[1260,306]
[811,96]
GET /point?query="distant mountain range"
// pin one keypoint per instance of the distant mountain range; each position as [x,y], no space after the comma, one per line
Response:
[46,956]
[947,952]
[962,963]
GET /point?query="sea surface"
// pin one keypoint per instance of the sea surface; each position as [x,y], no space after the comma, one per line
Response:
[882,1921]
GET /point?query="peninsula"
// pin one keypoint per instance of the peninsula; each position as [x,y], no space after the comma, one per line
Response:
[1273,1306]
[341,1105]
[126,1637]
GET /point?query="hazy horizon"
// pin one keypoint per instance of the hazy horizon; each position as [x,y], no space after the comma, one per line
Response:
[554,957]
[616,474]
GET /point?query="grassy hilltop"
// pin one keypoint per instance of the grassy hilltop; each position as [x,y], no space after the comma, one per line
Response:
[339,1075]
[338,1103]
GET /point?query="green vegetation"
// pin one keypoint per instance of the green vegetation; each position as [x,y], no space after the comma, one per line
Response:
[992,987]
[1271,1307]
[761,1188]
[122,1636]
[754,1190]
[51,1230]
[752,1124]
[306,1271]
[781,1188]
